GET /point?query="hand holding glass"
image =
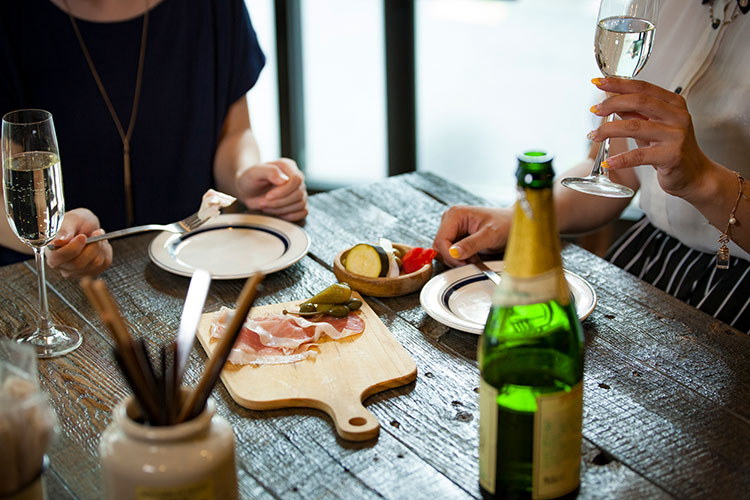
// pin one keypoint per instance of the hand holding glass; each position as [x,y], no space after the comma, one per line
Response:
[34,204]
[624,35]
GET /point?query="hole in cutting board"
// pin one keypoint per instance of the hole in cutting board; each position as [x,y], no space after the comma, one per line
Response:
[357,421]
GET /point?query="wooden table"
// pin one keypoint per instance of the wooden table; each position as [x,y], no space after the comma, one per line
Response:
[666,398]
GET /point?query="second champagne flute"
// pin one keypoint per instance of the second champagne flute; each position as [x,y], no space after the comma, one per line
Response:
[624,35]
[34,204]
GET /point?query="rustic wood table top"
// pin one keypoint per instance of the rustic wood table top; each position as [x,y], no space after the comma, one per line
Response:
[666,392]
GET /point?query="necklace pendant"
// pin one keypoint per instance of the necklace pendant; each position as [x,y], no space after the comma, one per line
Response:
[716,23]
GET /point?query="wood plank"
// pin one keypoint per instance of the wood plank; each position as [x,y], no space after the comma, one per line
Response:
[685,345]
[444,192]
[603,476]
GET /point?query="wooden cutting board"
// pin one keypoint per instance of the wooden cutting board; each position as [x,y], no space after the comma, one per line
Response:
[343,374]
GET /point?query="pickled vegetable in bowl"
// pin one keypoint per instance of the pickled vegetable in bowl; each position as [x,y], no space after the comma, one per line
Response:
[386,260]
[373,270]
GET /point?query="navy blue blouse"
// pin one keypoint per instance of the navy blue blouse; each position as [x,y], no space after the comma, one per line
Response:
[201,56]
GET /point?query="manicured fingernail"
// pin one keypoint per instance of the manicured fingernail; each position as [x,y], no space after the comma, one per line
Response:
[605,164]
[594,109]
[455,253]
[590,136]
[596,81]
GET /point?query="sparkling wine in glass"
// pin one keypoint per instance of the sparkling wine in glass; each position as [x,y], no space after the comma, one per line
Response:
[624,35]
[34,204]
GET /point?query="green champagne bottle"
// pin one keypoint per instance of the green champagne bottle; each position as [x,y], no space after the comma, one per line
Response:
[531,357]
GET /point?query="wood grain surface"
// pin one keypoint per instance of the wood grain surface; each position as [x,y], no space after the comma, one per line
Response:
[342,374]
[666,398]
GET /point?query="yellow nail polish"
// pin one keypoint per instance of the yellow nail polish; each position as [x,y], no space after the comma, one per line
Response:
[605,164]
[454,252]
[596,81]
[594,108]
[590,136]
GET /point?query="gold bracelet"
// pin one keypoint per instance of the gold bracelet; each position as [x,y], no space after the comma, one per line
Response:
[722,256]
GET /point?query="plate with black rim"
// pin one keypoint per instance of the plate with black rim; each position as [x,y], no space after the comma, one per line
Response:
[232,246]
[461,297]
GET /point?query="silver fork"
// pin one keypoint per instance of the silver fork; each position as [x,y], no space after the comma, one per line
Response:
[183,226]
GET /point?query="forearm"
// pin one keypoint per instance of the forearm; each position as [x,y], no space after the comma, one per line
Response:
[236,152]
[8,238]
[715,198]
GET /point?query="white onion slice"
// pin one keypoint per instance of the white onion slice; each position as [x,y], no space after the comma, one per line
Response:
[393,270]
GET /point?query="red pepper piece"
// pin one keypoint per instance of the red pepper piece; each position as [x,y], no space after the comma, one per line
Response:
[417,257]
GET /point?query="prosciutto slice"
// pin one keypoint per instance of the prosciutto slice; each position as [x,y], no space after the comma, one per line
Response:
[282,338]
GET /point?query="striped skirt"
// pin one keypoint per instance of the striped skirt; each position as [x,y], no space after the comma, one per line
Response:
[685,273]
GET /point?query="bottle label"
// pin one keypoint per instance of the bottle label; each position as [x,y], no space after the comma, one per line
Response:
[515,291]
[557,443]
[556,452]
[487,435]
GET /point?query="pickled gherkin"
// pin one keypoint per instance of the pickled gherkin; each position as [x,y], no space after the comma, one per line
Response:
[531,357]
[338,293]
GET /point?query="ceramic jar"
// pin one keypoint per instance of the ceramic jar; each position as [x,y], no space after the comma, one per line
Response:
[192,460]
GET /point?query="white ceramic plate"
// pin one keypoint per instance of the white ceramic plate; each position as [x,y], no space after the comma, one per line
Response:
[232,246]
[461,297]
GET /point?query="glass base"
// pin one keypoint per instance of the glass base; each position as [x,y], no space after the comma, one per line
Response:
[600,186]
[58,341]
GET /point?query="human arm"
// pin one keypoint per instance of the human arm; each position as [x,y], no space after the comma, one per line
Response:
[8,238]
[659,120]
[466,230]
[276,187]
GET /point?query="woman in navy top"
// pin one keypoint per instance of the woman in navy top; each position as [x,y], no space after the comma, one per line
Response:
[192,130]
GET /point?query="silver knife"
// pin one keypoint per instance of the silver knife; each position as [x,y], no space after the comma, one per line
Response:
[191,316]
[492,275]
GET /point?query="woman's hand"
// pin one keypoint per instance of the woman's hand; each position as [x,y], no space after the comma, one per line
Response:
[276,187]
[466,230]
[72,256]
[662,126]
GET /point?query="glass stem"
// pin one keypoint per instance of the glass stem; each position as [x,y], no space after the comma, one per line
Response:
[602,154]
[45,325]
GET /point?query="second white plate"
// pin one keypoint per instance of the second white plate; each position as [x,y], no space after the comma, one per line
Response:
[232,246]
[461,297]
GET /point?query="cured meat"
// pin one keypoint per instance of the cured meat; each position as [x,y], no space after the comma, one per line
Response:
[283,338]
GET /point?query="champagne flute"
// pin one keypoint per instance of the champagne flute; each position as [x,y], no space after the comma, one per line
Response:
[34,204]
[624,35]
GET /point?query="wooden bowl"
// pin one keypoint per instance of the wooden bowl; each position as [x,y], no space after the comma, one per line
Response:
[382,287]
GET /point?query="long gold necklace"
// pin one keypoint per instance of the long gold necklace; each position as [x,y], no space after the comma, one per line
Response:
[124,135]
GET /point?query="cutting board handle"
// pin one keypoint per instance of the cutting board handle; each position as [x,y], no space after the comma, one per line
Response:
[352,420]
